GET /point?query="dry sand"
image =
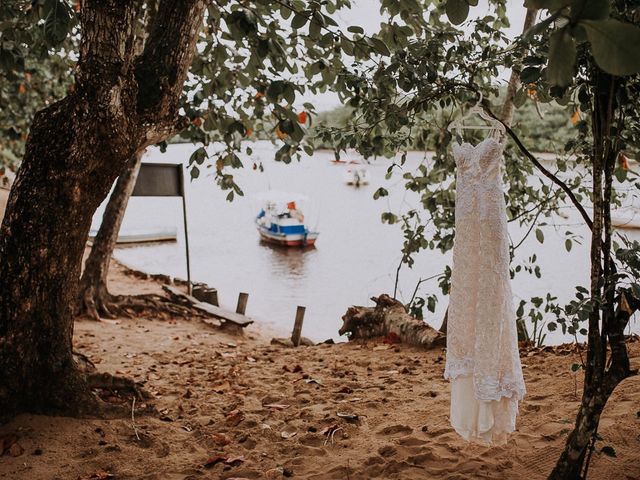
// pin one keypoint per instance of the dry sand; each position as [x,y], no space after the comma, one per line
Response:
[269,410]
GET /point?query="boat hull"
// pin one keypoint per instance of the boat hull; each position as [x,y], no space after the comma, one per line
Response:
[288,240]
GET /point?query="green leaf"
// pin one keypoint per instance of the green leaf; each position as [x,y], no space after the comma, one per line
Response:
[57,23]
[530,75]
[562,58]
[457,11]
[380,192]
[575,367]
[614,45]
[621,174]
[299,21]
[380,46]
[198,156]
[568,244]
[355,29]
[539,235]
[195,172]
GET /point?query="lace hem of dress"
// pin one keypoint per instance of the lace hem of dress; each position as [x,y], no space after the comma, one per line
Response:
[486,389]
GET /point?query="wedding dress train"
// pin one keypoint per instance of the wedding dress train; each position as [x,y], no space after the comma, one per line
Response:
[482,359]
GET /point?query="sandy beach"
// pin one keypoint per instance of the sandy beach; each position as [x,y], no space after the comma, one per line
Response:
[237,407]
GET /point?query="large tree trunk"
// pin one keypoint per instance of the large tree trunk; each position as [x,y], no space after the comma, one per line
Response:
[76,149]
[94,297]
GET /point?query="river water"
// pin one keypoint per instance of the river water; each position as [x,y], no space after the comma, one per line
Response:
[355,256]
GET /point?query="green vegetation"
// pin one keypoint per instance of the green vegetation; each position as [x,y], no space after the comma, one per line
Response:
[543,127]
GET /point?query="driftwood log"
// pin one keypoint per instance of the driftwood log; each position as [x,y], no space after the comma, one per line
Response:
[389,318]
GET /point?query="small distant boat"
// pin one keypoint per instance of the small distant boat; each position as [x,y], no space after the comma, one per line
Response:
[282,223]
[340,161]
[356,176]
[159,234]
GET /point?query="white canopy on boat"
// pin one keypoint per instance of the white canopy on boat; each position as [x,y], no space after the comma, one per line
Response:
[280,197]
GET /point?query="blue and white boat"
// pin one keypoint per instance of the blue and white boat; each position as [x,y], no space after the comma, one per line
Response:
[281,222]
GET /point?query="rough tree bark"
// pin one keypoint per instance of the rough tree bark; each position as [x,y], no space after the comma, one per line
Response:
[94,298]
[389,317]
[606,320]
[75,150]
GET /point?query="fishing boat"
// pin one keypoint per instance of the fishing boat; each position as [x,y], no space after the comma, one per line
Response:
[281,222]
[356,176]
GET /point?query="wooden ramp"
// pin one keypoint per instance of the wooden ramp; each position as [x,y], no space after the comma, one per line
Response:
[221,313]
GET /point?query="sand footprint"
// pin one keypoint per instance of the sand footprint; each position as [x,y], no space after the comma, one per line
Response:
[395,430]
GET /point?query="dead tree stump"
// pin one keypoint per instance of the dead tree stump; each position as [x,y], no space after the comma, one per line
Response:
[389,317]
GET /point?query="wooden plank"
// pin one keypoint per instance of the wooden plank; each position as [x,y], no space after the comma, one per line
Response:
[227,315]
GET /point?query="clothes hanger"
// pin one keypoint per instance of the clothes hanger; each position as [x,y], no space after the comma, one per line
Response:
[458,125]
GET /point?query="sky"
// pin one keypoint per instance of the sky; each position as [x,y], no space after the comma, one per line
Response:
[366,14]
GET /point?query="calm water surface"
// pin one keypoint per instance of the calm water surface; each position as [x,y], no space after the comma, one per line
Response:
[356,255]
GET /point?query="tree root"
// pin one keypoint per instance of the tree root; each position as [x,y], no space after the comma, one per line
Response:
[99,303]
[116,384]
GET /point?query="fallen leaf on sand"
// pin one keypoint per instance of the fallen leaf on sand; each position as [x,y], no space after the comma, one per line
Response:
[329,430]
[221,439]
[274,473]
[98,475]
[224,387]
[277,406]
[288,434]
[348,416]
[216,459]
[314,380]
[234,417]
[16,450]
[6,442]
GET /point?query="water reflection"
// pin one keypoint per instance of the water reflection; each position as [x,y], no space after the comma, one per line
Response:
[291,261]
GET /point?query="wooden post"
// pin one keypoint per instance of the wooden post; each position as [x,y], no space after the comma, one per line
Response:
[297,326]
[210,295]
[197,291]
[243,298]
[186,230]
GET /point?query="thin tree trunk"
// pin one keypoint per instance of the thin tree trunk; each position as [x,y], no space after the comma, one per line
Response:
[506,115]
[94,294]
[599,381]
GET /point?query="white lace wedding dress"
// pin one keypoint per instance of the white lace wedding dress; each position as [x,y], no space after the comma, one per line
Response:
[482,363]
